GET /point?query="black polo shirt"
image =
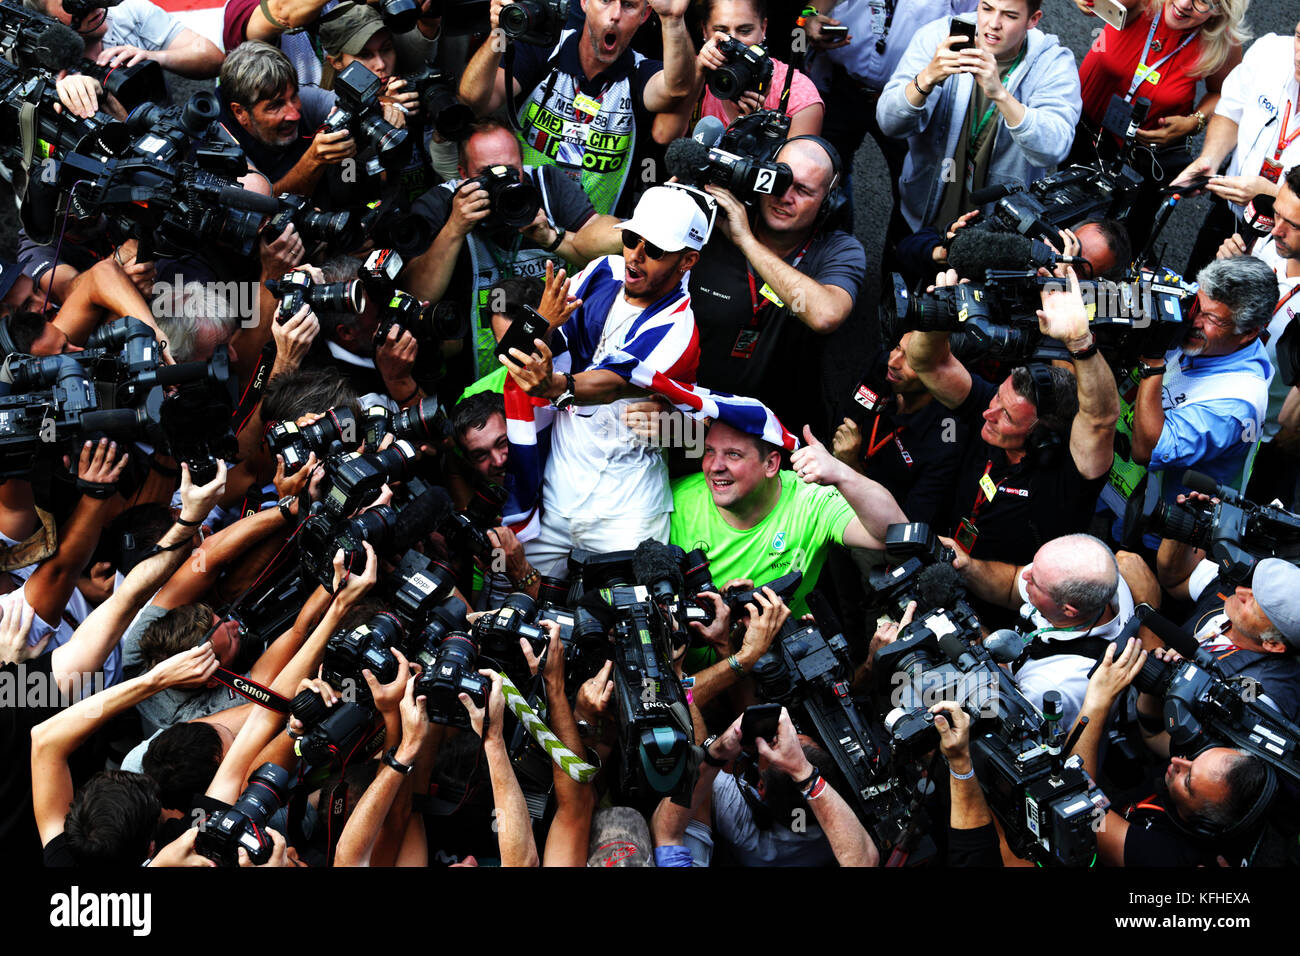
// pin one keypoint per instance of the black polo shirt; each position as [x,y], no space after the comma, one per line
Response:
[751,346]
[1035,501]
[914,455]
[1152,840]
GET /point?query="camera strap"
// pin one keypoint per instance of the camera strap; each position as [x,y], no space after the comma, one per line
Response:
[564,758]
[785,88]
[252,690]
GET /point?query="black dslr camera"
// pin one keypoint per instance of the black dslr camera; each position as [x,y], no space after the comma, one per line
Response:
[244,824]
[450,665]
[359,111]
[748,70]
[337,430]
[438,101]
[537,22]
[314,225]
[514,201]
[295,288]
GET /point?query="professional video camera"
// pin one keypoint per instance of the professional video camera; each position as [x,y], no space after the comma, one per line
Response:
[513,201]
[244,824]
[1201,704]
[810,674]
[741,161]
[748,70]
[537,22]
[54,399]
[359,111]
[622,600]
[1235,532]
[1048,806]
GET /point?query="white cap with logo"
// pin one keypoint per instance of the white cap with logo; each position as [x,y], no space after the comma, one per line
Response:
[671,218]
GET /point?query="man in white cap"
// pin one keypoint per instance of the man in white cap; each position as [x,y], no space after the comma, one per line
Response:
[1251,631]
[632,320]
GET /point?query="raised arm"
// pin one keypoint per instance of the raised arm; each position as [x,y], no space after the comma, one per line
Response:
[874,508]
[54,740]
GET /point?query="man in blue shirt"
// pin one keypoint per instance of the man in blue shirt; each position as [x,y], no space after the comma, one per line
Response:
[1202,405]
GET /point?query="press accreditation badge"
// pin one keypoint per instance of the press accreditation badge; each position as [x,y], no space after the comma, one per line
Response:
[586,104]
[989,488]
[877,18]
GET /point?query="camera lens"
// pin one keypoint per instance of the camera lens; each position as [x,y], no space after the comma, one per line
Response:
[391,145]
[426,421]
[337,297]
[319,226]
[516,19]
[399,15]
[266,793]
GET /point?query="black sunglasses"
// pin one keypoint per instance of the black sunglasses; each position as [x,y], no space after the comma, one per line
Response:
[631,240]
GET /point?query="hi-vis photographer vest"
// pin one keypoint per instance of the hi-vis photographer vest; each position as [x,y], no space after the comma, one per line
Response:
[592,138]
[490,263]
[1178,390]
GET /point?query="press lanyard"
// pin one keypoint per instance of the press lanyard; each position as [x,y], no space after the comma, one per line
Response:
[1283,138]
[1286,298]
[1144,72]
[874,446]
[758,302]
[982,495]
[979,127]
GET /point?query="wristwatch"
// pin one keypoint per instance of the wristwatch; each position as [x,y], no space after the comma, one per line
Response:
[285,505]
[390,758]
[1150,371]
[566,397]
[709,759]
[560,232]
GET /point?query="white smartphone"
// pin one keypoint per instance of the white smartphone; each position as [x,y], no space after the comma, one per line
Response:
[1112,11]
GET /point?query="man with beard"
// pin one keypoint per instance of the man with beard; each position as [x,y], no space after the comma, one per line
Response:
[1202,405]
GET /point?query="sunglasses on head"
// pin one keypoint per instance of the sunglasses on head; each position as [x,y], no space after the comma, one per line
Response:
[631,240]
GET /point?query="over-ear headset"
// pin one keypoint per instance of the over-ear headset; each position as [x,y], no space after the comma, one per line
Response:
[836,200]
[1043,443]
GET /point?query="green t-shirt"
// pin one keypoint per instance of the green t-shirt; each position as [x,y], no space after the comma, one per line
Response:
[794,536]
[491,382]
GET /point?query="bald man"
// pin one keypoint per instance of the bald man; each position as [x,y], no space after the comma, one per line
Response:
[1074,599]
[768,293]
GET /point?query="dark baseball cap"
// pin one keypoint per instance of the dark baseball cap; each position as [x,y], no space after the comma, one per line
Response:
[348,28]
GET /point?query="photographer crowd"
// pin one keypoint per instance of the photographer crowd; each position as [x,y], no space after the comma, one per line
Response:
[422,441]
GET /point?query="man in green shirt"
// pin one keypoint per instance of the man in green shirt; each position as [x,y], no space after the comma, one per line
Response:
[756,522]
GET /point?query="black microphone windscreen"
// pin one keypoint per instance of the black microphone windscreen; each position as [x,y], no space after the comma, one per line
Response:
[1198,481]
[939,585]
[57,47]
[989,193]
[687,160]
[973,251]
[421,516]
[708,131]
[653,562]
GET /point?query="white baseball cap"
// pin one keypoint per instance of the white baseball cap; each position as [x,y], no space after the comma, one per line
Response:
[671,218]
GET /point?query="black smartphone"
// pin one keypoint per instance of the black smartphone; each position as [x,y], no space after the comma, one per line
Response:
[833,34]
[760,720]
[966,30]
[521,334]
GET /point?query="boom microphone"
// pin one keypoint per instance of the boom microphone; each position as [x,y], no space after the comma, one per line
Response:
[57,47]
[988,194]
[973,252]
[655,565]
[688,160]
[938,585]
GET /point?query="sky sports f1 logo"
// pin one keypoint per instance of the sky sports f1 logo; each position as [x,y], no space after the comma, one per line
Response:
[76,909]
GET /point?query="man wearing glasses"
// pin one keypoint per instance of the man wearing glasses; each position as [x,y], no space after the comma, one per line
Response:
[1202,404]
[631,321]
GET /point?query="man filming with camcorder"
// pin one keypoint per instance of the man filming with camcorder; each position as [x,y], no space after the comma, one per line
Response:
[1042,440]
[1202,806]
[779,280]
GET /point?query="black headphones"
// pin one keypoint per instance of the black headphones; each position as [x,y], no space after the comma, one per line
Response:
[7,345]
[1043,443]
[836,200]
[1238,827]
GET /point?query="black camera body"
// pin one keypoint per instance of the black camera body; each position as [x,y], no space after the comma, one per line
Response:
[334,432]
[450,668]
[295,289]
[438,101]
[360,112]
[536,22]
[748,70]
[514,200]
[244,824]
[335,229]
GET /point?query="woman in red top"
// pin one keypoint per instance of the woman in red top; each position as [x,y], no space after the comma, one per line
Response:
[1165,49]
